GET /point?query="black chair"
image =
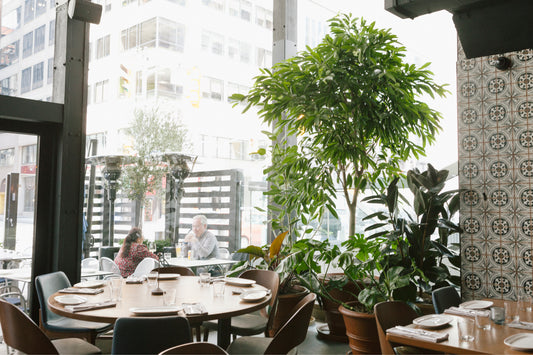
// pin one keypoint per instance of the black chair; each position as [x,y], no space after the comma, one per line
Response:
[288,337]
[22,334]
[149,335]
[56,326]
[444,298]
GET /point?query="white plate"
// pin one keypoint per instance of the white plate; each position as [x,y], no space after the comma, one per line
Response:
[168,276]
[476,304]
[90,284]
[520,341]
[70,299]
[252,296]
[237,281]
[432,320]
[155,310]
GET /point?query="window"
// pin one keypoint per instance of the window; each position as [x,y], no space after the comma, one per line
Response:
[212,88]
[25,84]
[240,8]
[40,7]
[101,90]
[29,10]
[50,76]
[156,32]
[52,33]
[100,140]
[29,154]
[212,42]
[102,47]
[147,35]
[245,51]
[263,58]
[234,88]
[38,75]
[171,35]
[9,86]
[27,45]
[9,54]
[29,193]
[214,4]
[107,6]
[7,157]
[11,20]
[39,39]
[263,17]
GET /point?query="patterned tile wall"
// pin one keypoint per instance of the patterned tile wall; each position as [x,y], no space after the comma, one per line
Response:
[495,114]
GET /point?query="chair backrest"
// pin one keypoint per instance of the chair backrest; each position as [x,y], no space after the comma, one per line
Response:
[223,253]
[444,298]
[195,348]
[21,333]
[183,271]
[149,335]
[265,278]
[106,264]
[390,314]
[13,295]
[89,263]
[145,266]
[294,331]
[45,286]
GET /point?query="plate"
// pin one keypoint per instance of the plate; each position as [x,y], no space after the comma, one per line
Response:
[520,341]
[432,320]
[155,310]
[70,299]
[90,284]
[476,304]
[237,281]
[252,296]
[165,276]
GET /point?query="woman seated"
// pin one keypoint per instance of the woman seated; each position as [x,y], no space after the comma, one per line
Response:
[132,252]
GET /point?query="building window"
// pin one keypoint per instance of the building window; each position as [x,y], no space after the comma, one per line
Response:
[156,32]
[240,8]
[234,88]
[100,91]
[11,20]
[52,33]
[102,47]
[9,86]
[101,141]
[212,42]
[245,52]
[27,45]
[50,75]
[7,157]
[25,82]
[107,6]
[263,17]
[29,154]
[38,75]
[263,58]
[171,35]
[214,4]
[40,7]
[39,39]
[212,88]
[29,10]
[29,193]
[9,54]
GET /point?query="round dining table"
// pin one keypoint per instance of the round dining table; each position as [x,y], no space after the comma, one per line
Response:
[188,290]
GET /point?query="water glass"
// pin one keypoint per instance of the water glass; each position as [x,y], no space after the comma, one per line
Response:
[497,314]
[466,329]
[205,277]
[169,297]
[483,320]
[219,287]
[115,285]
[511,313]
[151,280]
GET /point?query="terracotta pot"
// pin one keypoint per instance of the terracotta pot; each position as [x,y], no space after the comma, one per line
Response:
[361,330]
[285,304]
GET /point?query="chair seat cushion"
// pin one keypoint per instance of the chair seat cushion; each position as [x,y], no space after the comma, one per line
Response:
[64,324]
[75,346]
[249,345]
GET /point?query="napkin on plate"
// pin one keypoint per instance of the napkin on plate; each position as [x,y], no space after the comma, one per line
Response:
[85,291]
[90,306]
[134,280]
[463,311]
[521,325]
[417,333]
[196,308]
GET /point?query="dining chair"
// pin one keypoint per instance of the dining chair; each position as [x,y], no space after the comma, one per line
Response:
[195,348]
[444,298]
[13,295]
[106,264]
[183,271]
[256,322]
[145,266]
[89,263]
[56,326]
[390,314]
[288,337]
[22,334]
[149,335]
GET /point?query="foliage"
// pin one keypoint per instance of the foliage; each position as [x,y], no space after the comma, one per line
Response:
[355,106]
[420,250]
[153,131]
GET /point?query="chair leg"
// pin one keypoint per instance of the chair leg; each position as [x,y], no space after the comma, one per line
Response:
[198,333]
[206,333]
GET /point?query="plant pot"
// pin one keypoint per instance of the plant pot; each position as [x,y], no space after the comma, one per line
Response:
[361,330]
[285,304]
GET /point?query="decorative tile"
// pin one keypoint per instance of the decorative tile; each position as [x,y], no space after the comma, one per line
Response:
[499,197]
[497,86]
[524,56]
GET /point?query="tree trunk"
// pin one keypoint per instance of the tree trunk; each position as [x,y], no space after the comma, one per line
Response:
[351,227]
[138,217]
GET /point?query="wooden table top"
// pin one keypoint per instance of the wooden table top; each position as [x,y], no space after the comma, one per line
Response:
[485,342]
[188,290]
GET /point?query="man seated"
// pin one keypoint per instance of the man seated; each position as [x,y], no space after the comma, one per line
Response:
[202,243]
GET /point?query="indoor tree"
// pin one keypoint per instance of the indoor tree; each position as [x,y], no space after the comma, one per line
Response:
[354,104]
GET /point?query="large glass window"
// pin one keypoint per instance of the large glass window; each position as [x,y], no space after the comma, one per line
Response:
[9,54]
[212,42]
[11,20]
[51,32]
[27,45]
[9,85]
[29,10]
[39,39]
[29,154]
[25,81]
[7,157]
[103,47]
[40,7]
[156,32]
[38,73]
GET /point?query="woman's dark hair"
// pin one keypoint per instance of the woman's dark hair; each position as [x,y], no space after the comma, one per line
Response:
[134,234]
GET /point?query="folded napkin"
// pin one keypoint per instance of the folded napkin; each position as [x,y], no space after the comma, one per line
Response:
[134,280]
[86,291]
[463,311]
[90,306]
[418,333]
[521,325]
[196,308]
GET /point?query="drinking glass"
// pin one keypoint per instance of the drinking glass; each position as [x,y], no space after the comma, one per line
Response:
[219,287]
[497,314]
[483,320]
[466,329]
[115,285]
[167,256]
[151,281]
[511,313]
[205,277]
[169,297]
[178,250]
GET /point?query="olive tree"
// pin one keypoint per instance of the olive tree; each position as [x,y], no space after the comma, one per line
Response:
[356,108]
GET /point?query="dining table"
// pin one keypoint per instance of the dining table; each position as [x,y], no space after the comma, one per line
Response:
[485,341]
[196,263]
[137,300]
